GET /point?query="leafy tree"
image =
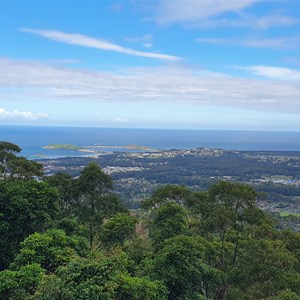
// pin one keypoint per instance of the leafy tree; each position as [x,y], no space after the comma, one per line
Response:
[140,252]
[71,226]
[20,284]
[67,188]
[13,166]
[9,147]
[95,199]
[168,193]
[180,265]
[50,249]
[25,207]
[169,220]
[136,288]
[83,278]
[265,269]
[117,229]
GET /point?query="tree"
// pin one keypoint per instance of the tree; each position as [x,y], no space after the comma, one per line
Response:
[139,251]
[169,220]
[25,207]
[95,199]
[50,250]
[136,288]
[266,269]
[67,188]
[168,193]
[21,283]
[17,167]
[180,266]
[117,229]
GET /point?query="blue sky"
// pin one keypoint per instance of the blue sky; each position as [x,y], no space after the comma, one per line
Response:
[198,64]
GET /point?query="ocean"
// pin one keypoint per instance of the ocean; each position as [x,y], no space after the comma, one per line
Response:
[32,138]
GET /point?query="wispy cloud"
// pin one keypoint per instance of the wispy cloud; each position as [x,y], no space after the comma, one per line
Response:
[286,42]
[21,115]
[246,20]
[218,13]
[178,11]
[86,41]
[274,72]
[152,84]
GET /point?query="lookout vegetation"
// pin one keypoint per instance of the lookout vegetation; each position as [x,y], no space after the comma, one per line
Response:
[64,238]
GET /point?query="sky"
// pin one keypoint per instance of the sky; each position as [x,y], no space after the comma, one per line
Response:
[182,64]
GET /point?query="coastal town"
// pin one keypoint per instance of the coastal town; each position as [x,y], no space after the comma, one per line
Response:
[137,174]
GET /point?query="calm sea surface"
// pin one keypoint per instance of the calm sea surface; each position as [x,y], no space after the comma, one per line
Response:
[31,139]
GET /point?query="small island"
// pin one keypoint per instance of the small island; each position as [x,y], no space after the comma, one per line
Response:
[137,147]
[94,148]
[62,147]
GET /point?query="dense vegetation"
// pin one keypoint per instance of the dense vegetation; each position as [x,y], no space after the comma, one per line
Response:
[72,238]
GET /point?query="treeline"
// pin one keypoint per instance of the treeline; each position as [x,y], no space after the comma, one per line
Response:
[72,238]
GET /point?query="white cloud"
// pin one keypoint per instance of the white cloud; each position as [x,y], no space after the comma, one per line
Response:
[148,45]
[86,41]
[274,72]
[286,42]
[152,84]
[21,115]
[119,120]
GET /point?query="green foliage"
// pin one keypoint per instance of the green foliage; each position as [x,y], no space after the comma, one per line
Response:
[19,284]
[95,199]
[71,226]
[50,249]
[93,181]
[292,243]
[214,244]
[17,167]
[285,295]
[25,207]
[117,229]
[139,251]
[266,266]
[135,288]
[84,279]
[67,190]
[9,147]
[168,193]
[169,220]
[180,265]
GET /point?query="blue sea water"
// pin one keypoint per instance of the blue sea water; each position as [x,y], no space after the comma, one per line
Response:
[32,138]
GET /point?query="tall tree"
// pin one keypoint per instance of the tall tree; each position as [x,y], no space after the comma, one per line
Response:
[96,199]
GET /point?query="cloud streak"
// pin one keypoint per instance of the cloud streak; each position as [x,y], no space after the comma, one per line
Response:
[178,11]
[152,84]
[86,41]
[274,72]
[284,42]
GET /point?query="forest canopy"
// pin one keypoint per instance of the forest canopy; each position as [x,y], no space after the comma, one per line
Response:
[72,238]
